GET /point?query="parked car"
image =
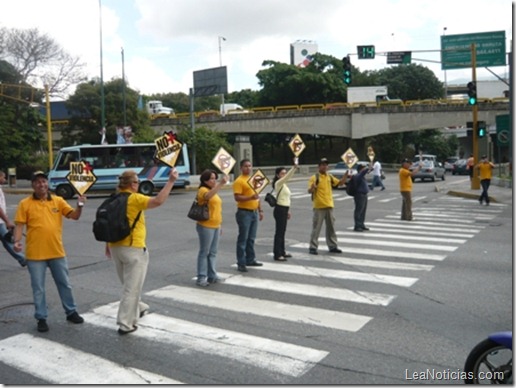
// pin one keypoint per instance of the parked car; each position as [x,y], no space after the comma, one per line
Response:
[448,163]
[341,169]
[430,170]
[460,167]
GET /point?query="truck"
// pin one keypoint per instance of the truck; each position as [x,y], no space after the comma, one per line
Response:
[367,95]
[156,109]
[231,109]
[492,89]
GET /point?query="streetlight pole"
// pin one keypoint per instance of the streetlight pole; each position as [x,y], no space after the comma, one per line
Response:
[123,90]
[102,105]
[445,80]
[221,38]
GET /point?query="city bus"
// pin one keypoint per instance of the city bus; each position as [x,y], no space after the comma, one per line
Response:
[109,161]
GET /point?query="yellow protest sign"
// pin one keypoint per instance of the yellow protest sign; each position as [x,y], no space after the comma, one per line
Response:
[224,161]
[258,181]
[297,145]
[81,176]
[168,148]
[349,157]
[370,153]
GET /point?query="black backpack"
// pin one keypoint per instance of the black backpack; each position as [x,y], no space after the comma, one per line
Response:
[351,188]
[111,223]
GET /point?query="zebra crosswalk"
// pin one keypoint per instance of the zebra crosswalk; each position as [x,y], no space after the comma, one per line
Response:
[375,267]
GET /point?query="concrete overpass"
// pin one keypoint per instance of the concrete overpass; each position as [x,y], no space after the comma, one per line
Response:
[349,122]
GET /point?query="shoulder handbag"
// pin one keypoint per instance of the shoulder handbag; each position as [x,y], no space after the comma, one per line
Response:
[199,212]
[271,199]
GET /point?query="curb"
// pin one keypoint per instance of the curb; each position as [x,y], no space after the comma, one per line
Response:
[468,195]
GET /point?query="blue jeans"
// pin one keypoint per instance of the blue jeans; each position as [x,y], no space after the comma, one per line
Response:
[377,181]
[247,227]
[485,183]
[9,247]
[207,257]
[59,269]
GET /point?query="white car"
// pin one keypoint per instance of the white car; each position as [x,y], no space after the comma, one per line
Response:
[430,170]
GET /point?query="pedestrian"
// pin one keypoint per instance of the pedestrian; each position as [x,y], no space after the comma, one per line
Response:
[131,255]
[249,212]
[42,215]
[209,231]
[405,176]
[321,187]
[377,176]
[7,227]
[360,197]
[282,210]
[485,170]
[470,164]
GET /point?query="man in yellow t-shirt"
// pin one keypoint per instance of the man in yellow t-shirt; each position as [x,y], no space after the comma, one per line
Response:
[42,215]
[249,212]
[485,170]
[321,186]
[405,176]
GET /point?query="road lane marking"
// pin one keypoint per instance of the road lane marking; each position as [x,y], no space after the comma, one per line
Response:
[397,244]
[275,356]
[402,281]
[372,234]
[399,230]
[335,293]
[61,364]
[425,225]
[266,308]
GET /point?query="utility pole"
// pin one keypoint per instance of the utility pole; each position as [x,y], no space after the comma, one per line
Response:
[221,38]
[475,181]
[102,104]
[123,89]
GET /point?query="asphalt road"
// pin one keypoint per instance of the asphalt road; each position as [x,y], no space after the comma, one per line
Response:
[403,298]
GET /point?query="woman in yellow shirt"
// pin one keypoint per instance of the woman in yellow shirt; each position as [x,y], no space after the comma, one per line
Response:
[485,170]
[209,230]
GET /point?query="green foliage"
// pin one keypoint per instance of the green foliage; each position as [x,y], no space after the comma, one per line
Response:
[205,143]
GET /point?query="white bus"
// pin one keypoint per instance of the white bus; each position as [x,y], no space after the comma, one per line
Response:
[111,160]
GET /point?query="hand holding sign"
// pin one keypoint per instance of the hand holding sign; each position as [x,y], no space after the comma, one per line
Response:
[258,181]
[224,161]
[370,153]
[349,157]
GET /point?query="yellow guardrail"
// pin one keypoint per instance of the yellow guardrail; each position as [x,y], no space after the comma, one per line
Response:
[263,109]
[311,106]
[336,105]
[287,107]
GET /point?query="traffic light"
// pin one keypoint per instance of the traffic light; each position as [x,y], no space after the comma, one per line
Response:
[481,129]
[472,93]
[346,63]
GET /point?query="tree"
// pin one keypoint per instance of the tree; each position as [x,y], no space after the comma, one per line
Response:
[40,60]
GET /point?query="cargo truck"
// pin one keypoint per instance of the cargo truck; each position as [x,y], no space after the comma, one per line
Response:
[367,95]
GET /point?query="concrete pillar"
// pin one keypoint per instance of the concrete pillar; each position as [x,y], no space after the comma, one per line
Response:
[242,150]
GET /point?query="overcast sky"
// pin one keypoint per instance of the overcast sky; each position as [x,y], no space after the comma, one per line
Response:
[165,41]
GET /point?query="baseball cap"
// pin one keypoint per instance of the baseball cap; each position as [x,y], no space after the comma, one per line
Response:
[323,161]
[406,161]
[38,174]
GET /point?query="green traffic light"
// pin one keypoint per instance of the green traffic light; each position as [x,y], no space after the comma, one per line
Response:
[472,101]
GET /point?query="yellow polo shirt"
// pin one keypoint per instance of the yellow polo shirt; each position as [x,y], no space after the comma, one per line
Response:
[485,170]
[135,203]
[215,207]
[240,186]
[405,179]
[43,219]
[323,195]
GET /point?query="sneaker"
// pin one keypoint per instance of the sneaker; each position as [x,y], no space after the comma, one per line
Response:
[383,188]
[313,251]
[287,255]
[242,268]
[216,280]
[357,230]
[202,282]
[254,264]
[75,318]
[143,313]
[335,250]
[42,325]
[281,258]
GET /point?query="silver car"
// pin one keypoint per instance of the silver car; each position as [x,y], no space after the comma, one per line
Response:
[430,170]
[341,169]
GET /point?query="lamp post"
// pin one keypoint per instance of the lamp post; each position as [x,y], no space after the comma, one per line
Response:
[102,104]
[221,38]
[123,90]
[445,80]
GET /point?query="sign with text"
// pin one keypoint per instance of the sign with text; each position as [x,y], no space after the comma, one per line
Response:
[399,57]
[258,181]
[456,50]
[167,148]
[81,176]
[224,161]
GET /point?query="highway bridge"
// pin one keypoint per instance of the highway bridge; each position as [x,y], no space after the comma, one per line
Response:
[340,119]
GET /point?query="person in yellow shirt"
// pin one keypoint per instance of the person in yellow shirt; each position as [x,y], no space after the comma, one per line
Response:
[321,186]
[209,230]
[249,213]
[485,170]
[405,176]
[131,255]
[42,215]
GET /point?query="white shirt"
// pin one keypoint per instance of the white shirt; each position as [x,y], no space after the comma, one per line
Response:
[377,168]
[2,204]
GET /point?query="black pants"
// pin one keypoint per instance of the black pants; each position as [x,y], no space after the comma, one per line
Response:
[360,209]
[281,217]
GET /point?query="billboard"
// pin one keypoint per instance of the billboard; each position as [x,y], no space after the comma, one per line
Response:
[301,52]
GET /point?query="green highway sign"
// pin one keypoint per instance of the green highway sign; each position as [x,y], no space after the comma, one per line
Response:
[456,50]
[503,130]
[399,57]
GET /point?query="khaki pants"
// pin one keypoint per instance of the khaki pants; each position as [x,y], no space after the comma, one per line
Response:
[406,205]
[320,216]
[131,267]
